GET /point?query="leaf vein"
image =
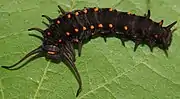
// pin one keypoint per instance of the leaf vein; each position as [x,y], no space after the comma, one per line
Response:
[102,85]
[2,92]
[158,73]
[41,81]
[110,92]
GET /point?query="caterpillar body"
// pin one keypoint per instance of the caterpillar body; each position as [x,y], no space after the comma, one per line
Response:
[72,29]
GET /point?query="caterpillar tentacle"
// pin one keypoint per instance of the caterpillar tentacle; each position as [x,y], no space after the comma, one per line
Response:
[33,52]
[73,69]
[37,36]
[48,18]
[45,23]
[61,10]
[37,29]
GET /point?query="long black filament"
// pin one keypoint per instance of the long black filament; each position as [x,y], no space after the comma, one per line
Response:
[35,51]
[70,64]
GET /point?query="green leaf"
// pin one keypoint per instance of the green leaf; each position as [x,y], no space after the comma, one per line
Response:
[108,70]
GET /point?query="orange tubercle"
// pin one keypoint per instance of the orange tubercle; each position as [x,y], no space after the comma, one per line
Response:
[110,9]
[96,9]
[125,27]
[67,33]
[69,16]
[76,13]
[52,53]
[58,22]
[84,28]
[76,30]
[85,11]
[92,27]
[110,25]
[100,25]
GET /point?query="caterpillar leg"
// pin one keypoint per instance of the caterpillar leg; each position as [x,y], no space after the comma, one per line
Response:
[79,48]
[137,43]
[123,42]
[151,45]
[104,37]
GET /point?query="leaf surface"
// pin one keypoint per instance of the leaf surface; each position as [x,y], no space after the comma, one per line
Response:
[108,70]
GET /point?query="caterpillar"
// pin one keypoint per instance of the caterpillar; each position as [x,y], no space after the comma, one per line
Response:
[70,30]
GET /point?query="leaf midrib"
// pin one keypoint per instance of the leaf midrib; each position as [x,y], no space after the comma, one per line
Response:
[42,79]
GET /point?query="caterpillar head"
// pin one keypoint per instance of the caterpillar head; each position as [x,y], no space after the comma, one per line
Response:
[51,52]
[48,47]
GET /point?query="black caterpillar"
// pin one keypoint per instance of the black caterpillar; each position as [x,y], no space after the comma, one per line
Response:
[72,29]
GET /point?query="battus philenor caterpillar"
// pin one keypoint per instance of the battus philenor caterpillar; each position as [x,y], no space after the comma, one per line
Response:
[72,29]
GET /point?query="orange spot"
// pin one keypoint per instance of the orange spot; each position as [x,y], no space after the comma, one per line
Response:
[100,25]
[67,33]
[84,28]
[85,11]
[52,53]
[76,30]
[76,13]
[92,27]
[59,40]
[110,25]
[161,23]
[96,9]
[58,22]
[129,13]
[48,33]
[125,27]
[156,36]
[76,40]
[110,9]
[69,16]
